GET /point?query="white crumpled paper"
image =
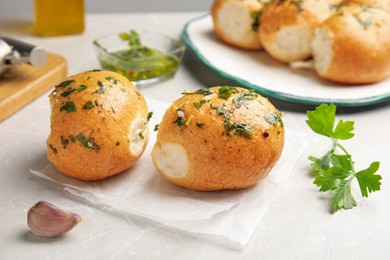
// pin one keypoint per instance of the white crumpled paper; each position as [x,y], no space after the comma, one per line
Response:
[141,190]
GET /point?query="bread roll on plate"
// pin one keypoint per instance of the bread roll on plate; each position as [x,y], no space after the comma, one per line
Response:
[353,46]
[236,22]
[98,125]
[287,26]
[220,138]
[384,4]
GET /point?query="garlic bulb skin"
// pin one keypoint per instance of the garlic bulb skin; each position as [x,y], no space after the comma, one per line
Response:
[47,220]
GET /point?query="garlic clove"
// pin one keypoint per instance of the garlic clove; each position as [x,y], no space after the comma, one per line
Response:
[47,220]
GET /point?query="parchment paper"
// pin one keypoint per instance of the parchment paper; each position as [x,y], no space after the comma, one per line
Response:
[231,215]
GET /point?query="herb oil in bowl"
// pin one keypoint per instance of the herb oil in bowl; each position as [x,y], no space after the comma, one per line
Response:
[144,58]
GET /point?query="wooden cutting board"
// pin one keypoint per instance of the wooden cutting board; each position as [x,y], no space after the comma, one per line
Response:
[19,86]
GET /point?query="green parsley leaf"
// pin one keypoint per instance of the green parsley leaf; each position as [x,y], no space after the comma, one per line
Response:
[344,130]
[343,160]
[341,197]
[256,20]
[199,104]
[203,91]
[64,142]
[88,105]
[321,164]
[67,92]
[322,119]
[112,79]
[331,178]
[65,83]
[221,110]
[330,159]
[180,121]
[274,118]
[81,88]
[224,92]
[101,89]
[69,106]
[53,149]
[132,37]
[240,129]
[72,139]
[240,99]
[88,142]
[368,180]
[150,114]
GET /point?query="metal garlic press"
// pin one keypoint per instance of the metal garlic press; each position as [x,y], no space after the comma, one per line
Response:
[13,53]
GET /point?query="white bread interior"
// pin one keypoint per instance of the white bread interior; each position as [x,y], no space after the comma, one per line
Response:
[171,159]
[233,22]
[292,43]
[322,50]
[138,135]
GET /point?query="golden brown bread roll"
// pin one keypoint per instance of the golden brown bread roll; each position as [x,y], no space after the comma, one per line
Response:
[384,4]
[353,46]
[98,125]
[286,27]
[236,22]
[218,139]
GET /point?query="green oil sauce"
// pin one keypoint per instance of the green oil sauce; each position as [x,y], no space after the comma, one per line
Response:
[141,63]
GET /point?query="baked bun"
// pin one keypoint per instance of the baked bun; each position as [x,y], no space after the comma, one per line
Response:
[98,125]
[353,46]
[220,138]
[236,22]
[287,27]
[384,4]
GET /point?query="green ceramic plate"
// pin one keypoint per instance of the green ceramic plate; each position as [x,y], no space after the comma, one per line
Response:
[257,70]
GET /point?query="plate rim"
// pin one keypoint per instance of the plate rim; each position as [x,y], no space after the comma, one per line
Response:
[185,37]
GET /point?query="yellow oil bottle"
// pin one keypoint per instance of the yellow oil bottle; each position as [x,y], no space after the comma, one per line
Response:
[58,17]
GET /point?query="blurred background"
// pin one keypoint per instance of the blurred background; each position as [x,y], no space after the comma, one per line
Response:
[25,7]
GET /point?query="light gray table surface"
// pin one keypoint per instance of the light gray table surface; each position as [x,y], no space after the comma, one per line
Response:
[298,225]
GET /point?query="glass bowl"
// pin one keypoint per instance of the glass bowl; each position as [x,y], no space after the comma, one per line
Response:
[154,58]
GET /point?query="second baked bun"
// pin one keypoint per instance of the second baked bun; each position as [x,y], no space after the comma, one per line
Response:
[98,125]
[353,46]
[286,27]
[218,139]
[382,4]
[236,22]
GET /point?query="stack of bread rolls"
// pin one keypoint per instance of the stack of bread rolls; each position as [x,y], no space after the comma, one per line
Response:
[343,41]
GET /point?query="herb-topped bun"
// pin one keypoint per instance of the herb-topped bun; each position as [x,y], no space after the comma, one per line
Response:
[98,125]
[353,46]
[236,22]
[218,139]
[384,4]
[287,27]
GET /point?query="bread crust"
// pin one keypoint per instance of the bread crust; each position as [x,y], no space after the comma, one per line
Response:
[92,113]
[217,159]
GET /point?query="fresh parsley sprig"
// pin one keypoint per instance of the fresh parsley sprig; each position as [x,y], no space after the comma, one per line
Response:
[335,172]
